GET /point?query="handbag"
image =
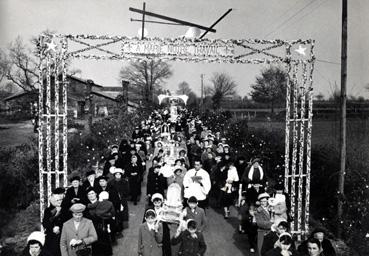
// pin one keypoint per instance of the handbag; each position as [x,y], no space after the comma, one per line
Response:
[85,251]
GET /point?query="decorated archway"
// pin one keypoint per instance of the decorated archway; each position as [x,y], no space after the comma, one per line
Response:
[297,56]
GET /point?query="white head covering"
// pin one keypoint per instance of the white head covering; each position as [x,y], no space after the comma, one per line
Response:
[38,236]
[103,196]
[157,196]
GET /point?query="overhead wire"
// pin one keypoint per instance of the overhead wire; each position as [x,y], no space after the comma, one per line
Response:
[327,61]
[311,11]
[290,18]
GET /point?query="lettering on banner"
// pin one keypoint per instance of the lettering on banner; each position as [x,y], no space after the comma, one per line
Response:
[177,49]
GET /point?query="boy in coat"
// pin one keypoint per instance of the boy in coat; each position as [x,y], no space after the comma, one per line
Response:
[150,236]
[192,211]
[193,243]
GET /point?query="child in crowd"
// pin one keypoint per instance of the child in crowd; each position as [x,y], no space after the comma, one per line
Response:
[247,223]
[193,211]
[150,236]
[192,240]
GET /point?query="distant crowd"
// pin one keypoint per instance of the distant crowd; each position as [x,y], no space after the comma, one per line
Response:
[187,168]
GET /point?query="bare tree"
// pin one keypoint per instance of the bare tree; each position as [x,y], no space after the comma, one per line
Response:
[223,87]
[4,65]
[146,77]
[21,66]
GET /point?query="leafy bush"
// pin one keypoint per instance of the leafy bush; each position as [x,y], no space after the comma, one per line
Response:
[19,166]
[251,143]
[85,149]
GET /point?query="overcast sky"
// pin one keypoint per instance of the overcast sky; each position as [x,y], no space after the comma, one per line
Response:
[262,19]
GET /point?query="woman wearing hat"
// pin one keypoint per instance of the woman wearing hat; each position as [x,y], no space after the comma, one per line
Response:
[90,181]
[78,233]
[100,212]
[74,194]
[134,173]
[121,185]
[263,219]
[53,222]
[254,174]
[35,245]
[228,186]
[156,182]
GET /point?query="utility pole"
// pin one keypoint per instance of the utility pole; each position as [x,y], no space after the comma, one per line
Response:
[125,95]
[90,105]
[341,178]
[143,21]
[202,93]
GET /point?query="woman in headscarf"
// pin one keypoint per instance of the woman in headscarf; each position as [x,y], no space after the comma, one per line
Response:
[35,245]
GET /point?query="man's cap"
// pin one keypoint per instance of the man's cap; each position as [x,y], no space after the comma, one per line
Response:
[77,208]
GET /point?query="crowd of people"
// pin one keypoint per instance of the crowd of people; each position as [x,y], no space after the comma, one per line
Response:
[187,168]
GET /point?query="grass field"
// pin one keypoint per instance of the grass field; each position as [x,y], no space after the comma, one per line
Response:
[327,131]
[12,134]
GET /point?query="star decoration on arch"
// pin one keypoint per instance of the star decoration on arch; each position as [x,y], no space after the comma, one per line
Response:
[301,50]
[51,46]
